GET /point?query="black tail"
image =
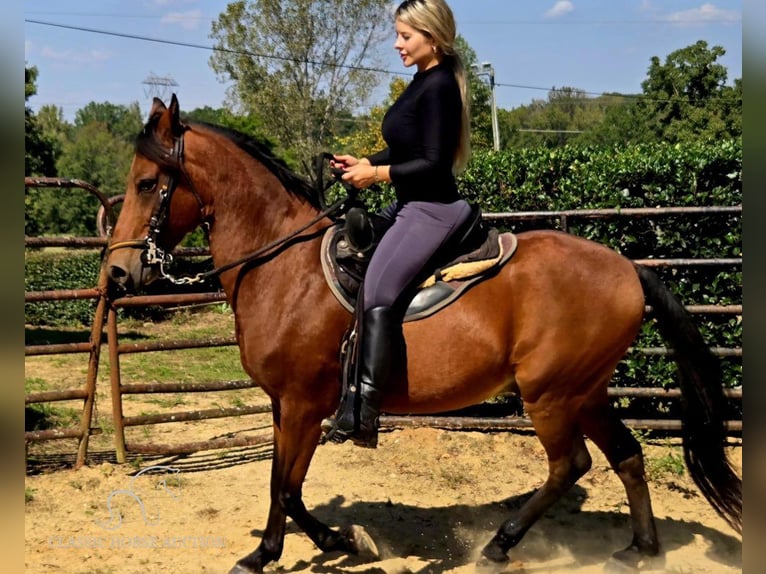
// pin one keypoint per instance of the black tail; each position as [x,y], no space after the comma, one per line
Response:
[702,402]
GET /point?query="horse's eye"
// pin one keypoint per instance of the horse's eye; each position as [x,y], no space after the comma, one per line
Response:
[146,185]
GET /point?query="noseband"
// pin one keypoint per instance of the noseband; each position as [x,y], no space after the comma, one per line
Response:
[152,253]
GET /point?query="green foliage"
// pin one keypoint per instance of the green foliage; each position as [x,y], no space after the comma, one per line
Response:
[97,149]
[39,150]
[684,99]
[297,63]
[46,271]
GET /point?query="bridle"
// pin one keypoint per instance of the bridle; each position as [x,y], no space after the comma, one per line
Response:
[153,254]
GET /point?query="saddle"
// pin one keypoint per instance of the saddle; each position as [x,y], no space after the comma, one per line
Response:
[475,253]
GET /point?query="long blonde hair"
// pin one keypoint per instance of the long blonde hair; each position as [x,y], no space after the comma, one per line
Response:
[435,18]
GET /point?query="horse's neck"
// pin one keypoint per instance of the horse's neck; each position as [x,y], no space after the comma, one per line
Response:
[251,211]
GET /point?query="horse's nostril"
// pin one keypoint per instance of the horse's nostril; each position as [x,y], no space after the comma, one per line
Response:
[117,273]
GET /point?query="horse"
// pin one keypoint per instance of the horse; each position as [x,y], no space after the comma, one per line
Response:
[550,325]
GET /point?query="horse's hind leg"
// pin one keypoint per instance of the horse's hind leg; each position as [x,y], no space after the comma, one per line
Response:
[568,460]
[296,435]
[623,452]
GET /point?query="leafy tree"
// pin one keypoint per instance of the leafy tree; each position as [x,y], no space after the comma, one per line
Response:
[123,122]
[55,128]
[296,63]
[553,122]
[97,149]
[39,156]
[39,151]
[686,98]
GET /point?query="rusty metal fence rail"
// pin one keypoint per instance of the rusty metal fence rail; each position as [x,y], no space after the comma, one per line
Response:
[106,318]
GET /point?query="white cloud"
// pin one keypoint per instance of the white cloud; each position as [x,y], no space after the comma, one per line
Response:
[187,20]
[559,9]
[705,13]
[71,56]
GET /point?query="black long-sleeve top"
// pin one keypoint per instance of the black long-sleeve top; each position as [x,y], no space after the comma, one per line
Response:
[422,130]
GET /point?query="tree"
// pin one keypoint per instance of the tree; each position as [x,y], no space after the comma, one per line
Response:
[686,98]
[553,122]
[297,63]
[98,149]
[123,122]
[39,151]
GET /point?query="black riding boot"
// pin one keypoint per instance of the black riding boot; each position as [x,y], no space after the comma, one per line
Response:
[382,351]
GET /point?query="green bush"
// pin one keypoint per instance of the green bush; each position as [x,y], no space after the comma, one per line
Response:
[70,269]
[48,271]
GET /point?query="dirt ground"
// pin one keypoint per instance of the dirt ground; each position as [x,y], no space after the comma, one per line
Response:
[430,499]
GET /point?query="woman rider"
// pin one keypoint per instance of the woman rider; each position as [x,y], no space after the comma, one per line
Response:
[427,135]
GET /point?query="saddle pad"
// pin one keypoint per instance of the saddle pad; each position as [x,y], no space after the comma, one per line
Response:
[465,269]
[428,300]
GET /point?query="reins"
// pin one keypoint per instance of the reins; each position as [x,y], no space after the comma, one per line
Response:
[200,277]
[155,255]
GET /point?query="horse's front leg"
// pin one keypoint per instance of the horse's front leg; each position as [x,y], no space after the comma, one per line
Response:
[296,435]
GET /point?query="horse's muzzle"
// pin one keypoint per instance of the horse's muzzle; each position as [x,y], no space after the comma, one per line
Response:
[128,271]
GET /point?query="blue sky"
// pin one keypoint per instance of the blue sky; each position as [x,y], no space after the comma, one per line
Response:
[594,45]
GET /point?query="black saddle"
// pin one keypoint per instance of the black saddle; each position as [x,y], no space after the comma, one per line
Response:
[474,253]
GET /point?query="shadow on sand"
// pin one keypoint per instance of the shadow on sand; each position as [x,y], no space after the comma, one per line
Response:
[452,536]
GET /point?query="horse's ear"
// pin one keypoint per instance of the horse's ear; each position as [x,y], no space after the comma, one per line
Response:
[158,108]
[167,121]
[175,117]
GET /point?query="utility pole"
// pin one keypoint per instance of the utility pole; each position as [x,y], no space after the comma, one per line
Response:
[486,69]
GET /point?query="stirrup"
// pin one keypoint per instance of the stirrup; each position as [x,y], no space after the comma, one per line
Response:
[333,433]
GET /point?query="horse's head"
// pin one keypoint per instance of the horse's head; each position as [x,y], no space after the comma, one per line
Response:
[161,204]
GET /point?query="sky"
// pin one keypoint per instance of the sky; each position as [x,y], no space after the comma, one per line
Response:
[112,50]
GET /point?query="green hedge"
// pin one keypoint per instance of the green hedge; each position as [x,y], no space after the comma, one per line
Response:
[47,271]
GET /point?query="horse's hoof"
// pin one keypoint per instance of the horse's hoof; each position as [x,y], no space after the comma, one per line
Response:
[362,543]
[494,554]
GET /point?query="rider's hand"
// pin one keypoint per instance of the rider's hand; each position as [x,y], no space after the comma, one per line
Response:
[360,175]
[341,161]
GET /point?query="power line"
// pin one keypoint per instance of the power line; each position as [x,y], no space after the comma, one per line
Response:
[210,48]
[350,67]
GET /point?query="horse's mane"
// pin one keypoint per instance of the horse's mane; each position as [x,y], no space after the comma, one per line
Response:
[151,148]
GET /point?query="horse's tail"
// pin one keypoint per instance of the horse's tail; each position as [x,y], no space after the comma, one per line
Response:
[702,401]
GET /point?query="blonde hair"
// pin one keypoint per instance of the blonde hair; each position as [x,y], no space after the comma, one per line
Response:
[434,18]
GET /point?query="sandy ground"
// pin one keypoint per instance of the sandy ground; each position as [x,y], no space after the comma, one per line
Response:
[429,498]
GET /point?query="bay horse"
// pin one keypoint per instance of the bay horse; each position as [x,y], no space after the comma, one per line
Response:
[551,325]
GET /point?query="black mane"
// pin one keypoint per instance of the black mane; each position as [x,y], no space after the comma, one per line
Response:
[148,146]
